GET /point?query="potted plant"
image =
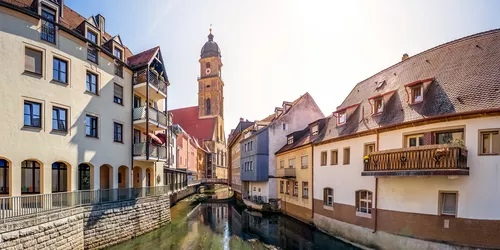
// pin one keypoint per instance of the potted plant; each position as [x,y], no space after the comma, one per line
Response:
[442,151]
[366,159]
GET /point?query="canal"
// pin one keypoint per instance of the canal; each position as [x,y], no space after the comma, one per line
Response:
[224,226]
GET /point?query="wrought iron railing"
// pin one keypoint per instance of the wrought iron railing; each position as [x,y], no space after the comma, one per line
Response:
[48,32]
[430,157]
[11,207]
[155,115]
[155,80]
[155,151]
[286,172]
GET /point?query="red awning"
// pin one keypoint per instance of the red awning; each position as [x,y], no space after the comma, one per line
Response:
[155,138]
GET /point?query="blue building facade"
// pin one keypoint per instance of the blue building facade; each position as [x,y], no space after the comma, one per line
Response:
[255,157]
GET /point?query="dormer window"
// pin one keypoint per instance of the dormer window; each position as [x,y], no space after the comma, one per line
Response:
[48,29]
[118,53]
[416,94]
[290,140]
[378,106]
[341,118]
[314,130]
[92,36]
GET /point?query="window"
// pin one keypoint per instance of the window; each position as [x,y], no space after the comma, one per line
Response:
[59,177]
[416,94]
[91,126]
[448,204]
[489,142]
[449,137]
[4,177]
[246,147]
[314,130]
[251,145]
[415,140]
[48,32]
[304,161]
[119,70]
[281,186]
[364,202]
[59,120]
[305,189]
[282,164]
[59,70]
[118,53]
[92,54]
[137,101]
[254,189]
[120,178]
[323,158]
[290,140]
[137,136]
[334,157]
[30,177]
[208,107]
[91,83]
[341,118]
[284,127]
[207,65]
[378,106]
[92,36]
[369,148]
[328,197]
[295,188]
[118,132]
[32,114]
[84,177]
[347,156]
[118,94]
[287,191]
[291,163]
[33,61]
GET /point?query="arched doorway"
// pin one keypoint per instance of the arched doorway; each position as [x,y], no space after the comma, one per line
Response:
[85,176]
[30,177]
[123,177]
[106,177]
[60,177]
[137,172]
[4,176]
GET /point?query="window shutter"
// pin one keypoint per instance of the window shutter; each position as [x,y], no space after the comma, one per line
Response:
[118,91]
[33,61]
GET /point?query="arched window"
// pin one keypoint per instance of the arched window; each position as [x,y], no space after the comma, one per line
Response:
[208,107]
[59,177]
[83,177]
[364,202]
[30,177]
[207,65]
[4,177]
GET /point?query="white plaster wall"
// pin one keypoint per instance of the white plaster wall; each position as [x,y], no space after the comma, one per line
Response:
[344,179]
[479,192]
[74,147]
[264,188]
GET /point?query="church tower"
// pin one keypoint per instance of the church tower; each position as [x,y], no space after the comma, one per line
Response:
[210,85]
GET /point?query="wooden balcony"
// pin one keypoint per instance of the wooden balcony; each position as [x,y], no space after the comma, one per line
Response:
[418,161]
[286,173]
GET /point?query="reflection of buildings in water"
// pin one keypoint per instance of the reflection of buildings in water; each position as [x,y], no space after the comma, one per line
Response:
[215,215]
[235,221]
[293,234]
[266,228]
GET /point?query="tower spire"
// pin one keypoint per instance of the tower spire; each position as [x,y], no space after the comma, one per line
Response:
[210,36]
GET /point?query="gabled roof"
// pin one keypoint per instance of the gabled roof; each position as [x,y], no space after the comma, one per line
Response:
[143,58]
[187,118]
[462,77]
[304,137]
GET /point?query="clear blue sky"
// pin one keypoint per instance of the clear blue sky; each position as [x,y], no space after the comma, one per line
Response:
[277,50]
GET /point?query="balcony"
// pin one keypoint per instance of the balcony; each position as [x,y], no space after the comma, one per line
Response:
[156,153]
[418,161]
[157,118]
[157,84]
[286,173]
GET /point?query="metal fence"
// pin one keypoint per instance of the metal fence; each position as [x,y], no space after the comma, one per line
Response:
[17,206]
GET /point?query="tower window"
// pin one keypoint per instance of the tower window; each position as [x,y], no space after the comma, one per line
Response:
[207,65]
[208,107]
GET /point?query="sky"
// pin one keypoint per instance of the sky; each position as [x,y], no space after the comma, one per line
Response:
[275,51]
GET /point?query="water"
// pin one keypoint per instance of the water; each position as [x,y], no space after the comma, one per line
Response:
[224,226]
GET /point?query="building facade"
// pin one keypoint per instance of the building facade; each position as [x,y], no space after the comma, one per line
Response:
[258,162]
[234,150]
[413,152]
[70,88]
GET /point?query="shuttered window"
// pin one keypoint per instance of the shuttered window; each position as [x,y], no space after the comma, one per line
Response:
[33,61]
[118,94]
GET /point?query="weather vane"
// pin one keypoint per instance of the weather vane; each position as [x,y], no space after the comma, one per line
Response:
[210,28]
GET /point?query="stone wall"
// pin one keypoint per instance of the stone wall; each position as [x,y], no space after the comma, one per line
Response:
[86,227]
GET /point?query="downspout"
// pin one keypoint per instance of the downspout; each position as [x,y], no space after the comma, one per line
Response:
[147,112]
[376,187]
[312,181]
[132,132]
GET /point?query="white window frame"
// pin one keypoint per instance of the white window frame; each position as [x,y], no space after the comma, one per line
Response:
[341,118]
[290,140]
[329,197]
[295,188]
[375,109]
[366,201]
[413,97]
[314,130]
[442,198]
[302,161]
[490,133]
[282,163]
[291,163]
[305,189]
[416,136]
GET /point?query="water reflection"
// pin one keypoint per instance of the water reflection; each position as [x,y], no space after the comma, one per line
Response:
[223,226]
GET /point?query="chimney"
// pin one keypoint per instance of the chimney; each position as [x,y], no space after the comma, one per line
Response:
[100,22]
[61,8]
[405,56]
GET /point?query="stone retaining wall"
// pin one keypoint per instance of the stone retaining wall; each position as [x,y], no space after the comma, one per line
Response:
[87,227]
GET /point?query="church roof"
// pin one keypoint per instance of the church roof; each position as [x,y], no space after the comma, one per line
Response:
[210,48]
[187,118]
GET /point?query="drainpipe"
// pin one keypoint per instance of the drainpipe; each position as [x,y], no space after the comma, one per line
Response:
[147,112]
[376,188]
[312,181]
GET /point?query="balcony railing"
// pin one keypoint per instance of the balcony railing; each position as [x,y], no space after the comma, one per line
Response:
[154,115]
[423,160]
[26,205]
[286,172]
[155,80]
[154,150]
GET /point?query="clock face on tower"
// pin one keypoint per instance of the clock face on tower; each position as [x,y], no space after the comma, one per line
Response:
[207,71]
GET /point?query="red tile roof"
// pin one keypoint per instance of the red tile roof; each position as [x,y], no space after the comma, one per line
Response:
[143,57]
[187,118]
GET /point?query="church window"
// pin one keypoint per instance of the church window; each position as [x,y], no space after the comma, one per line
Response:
[207,65]
[208,108]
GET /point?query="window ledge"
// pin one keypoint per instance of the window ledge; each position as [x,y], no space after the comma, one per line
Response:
[32,74]
[377,114]
[328,207]
[305,197]
[59,132]
[91,93]
[491,154]
[31,128]
[121,104]
[119,142]
[59,82]
[415,103]
[92,137]
[365,215]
